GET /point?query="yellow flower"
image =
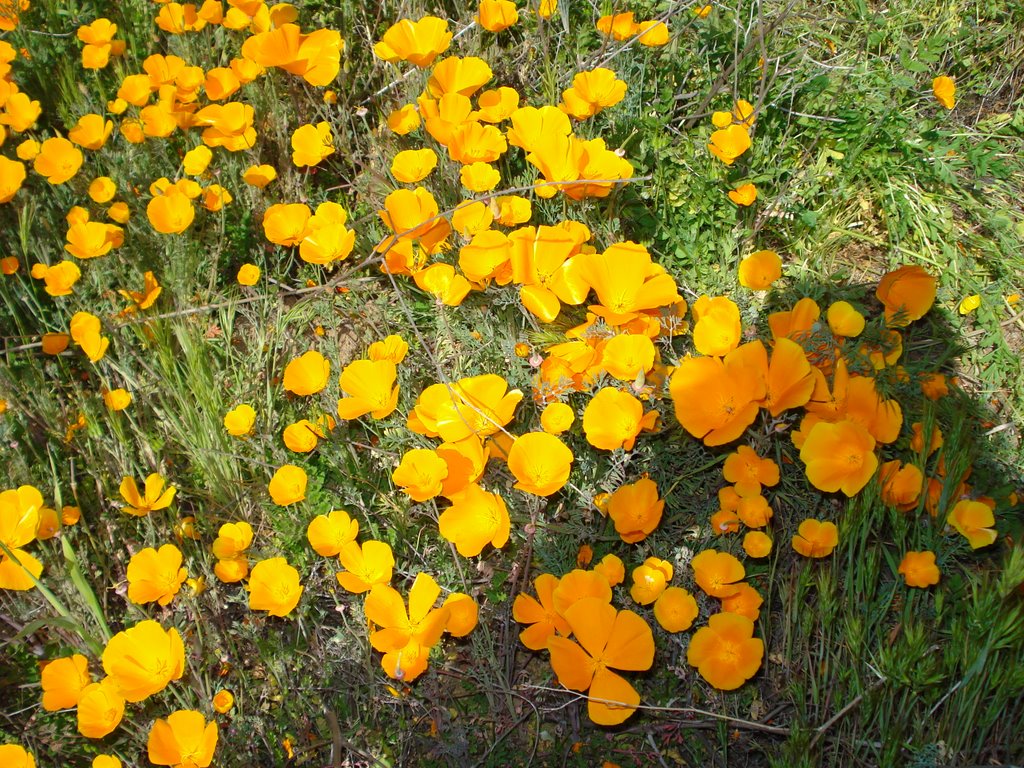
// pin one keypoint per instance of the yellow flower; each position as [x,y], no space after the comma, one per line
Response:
[183,740]
[223,701]
[248,274]
[969,304]
[974,520]
[476,519]
[540,463]
[274,587]
[919,569]
[744,195]
[307,374]
[155,575]
[727,144]
[58,160]
[63,681]
[944,90]
[288,485]
[327,534]
[155,497]
[311,144]
[370,388]
[239,420]
[143,660]
[259,175]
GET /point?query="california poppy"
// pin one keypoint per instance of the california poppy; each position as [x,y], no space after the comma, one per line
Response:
[540,614]
[155,497]
[607,640]
[274,587]
[975,521]
[144,659]
[636,509]
[63,681]
[919,570]
[183,739]
[540,463]
[475,519]
[815,538]
[725,652]
[717,573]
[155,575]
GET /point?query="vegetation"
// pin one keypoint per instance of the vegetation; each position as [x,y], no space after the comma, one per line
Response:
[570,384]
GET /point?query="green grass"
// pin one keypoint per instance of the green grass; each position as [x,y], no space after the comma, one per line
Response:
[858,170]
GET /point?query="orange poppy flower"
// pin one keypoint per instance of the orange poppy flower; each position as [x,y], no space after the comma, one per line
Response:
[183,739]
[420,474]
[327,534]
[944,90]
[370,388]
[20,112]
[844,320]
[839,456]
[100,709]
[725,652]
[232,540]
[901,484]
[619,26]
[717,573]
[365,565]
[418,42]
[636,510]
[592,92]
[145,298]
[716,399]
[628,357]
[815,538]
[907,294]
[611,569]
[540,614]
[58,160]
[274,587]
[63,681]
[155,497]
[476,519]
[421,623]
[463,614]
[973,520]
[754,511]
[307,374]
[653,34]
[288,485]
[479,405]
[743,195]
[675,610]
[170,213]
[746,602]
[311,144]
[727,144]
[757,544]
[749,471]
[650,580]
[759,270]
[155,575]
[91,131]
[613,419]
[404,120]
[497,15]
[413,165]
[458,75]
[143,660]
[497,104]
[608,639]
[259,175]
[540,463]
[919,569]
[12,175]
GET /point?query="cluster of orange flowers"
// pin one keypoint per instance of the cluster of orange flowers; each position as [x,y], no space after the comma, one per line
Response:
[831,368]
